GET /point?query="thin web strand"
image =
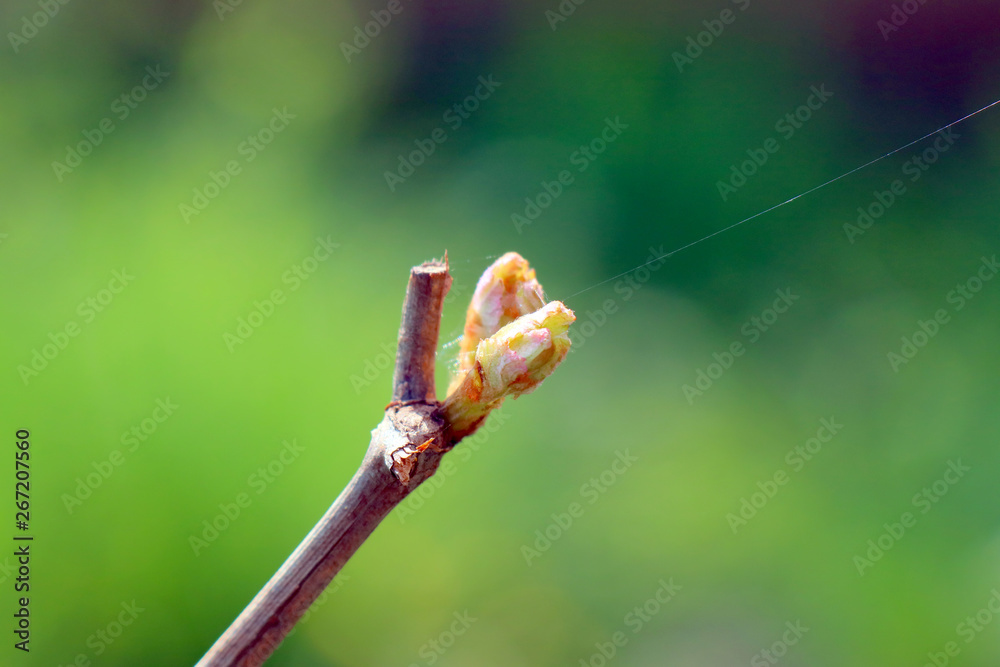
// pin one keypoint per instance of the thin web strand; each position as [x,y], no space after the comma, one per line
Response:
[787,201]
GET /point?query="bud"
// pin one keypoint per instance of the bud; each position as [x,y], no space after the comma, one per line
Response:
[511,362]
[506,291]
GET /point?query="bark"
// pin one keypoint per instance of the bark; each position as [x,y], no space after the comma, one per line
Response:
[405,449]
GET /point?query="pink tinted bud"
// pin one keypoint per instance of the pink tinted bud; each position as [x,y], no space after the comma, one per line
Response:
[511,362]
[506,291]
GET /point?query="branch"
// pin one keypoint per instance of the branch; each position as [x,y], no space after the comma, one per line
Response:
[405,450]
[511,345]
[413,379]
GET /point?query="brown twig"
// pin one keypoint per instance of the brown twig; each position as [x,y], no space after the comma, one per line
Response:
[405,450]
[418,332]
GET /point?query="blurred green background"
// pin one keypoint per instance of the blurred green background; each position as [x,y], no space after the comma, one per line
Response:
[277,129]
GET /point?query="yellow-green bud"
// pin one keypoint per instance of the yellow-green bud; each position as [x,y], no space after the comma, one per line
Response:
[511,362]
[506,291]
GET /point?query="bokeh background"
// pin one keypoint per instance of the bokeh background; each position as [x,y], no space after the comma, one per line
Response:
[313,373]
